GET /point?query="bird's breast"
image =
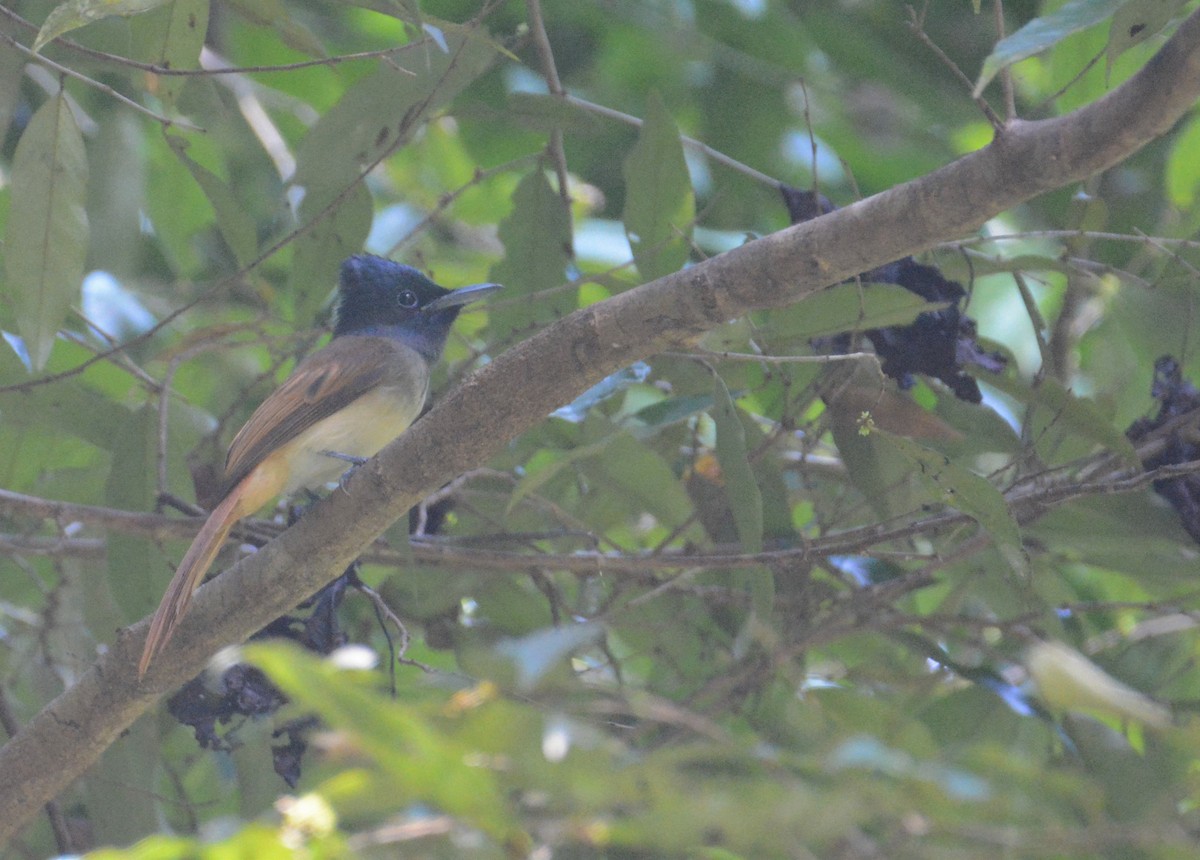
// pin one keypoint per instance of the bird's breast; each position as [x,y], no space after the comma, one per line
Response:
[358,430]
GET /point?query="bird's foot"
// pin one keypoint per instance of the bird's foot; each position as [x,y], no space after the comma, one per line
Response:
[355,463]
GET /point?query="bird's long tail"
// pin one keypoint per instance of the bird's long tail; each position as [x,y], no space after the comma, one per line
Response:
[191,570]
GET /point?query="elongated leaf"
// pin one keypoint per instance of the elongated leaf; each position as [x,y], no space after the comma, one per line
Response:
[659,203]
[850,307]
[320,251]
[1081,415]
[171,36]
[745,500]
[45,243]
[1136,22]
[610,386]
[422,762]
[137,568]
[1183,167]
[237,228]
[958,488]
[76,13]
[1045,32]
[381,111]
[537,242]
[643,479]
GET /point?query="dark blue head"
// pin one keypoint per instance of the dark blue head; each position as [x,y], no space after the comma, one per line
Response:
[378,296]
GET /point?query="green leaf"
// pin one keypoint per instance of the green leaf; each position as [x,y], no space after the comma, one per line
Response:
[1078,414]
[849,307]
[537,243]
[1137,21]
[673,409]
[642,479]
[137,569]
[545,113]
[952,485]
[380,112]
[45,243]
[745,500]
[660,206]
[1182,174]
[1045,32]
[319,252]
[172,37]
[237,227]
[423,762]
[76,13]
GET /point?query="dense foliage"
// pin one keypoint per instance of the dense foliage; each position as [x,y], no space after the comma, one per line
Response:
[751,600]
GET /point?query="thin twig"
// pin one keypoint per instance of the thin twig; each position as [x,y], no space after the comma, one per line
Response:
[1006,80]
[558,155]
[165,71]
[104,88]
[916,23]
[689,142]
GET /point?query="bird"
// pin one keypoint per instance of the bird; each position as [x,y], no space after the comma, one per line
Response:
[343,403]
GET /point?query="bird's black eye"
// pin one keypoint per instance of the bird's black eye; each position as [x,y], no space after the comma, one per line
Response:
[407,299]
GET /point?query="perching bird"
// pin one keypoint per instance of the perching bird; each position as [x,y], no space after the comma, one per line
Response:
[343,402]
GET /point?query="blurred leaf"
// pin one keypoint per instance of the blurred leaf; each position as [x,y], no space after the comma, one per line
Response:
[659,204]
[849,307]
[547,113]
[1044,32]
[642,479]
[611,385]
[76,13]
[745,500]
[1080,414]
[137,569]
[380,112]
[1183,168]
[237,228]
[45,243]
[1068,680]
[954,486]
[537,254]
[423,763]
[1137,21]
[673,409]
[534,655]
[171,36]
[318,254]
[275,14]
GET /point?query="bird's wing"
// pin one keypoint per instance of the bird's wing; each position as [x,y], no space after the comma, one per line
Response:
[322,384]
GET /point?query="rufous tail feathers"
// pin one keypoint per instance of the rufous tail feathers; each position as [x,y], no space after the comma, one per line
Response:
[191,570]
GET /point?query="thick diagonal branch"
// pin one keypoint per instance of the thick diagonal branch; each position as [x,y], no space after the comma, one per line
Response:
[520,387]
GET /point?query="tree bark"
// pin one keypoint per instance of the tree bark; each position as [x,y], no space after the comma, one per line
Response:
[523,385]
